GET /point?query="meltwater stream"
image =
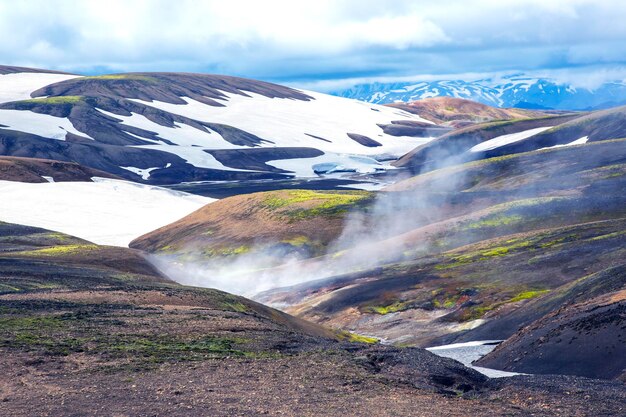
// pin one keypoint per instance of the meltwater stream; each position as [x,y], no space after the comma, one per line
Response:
[468,352]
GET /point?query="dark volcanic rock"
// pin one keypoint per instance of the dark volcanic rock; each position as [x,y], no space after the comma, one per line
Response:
[452,148]
[110,158]
[167,87]
[578,291]
[257,158]
[421,369]
[364,140]
[597,126]
[414,128]
[585,339]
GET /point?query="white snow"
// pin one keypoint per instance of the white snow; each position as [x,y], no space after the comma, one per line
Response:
[181,134]
[507,139]
[468,352]
[49,179]
[144,173]
[287,121]
[18,86]
[303,167]
[192,154]
[579,141]
[108,212]
[38,124]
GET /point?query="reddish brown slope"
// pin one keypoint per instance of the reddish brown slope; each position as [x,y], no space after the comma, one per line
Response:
[458,111]
[34,170]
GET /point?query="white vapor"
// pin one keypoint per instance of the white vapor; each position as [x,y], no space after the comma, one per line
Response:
[368,240]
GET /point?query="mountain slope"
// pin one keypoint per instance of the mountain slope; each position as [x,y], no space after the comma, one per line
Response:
[300,220]
[174,127]
[497,139]
[470,245]
[516,90]
[595,327]
[82,326]
[43,170]
[458,112]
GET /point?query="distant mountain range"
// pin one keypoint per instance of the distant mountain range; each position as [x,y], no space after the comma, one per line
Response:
[519,91]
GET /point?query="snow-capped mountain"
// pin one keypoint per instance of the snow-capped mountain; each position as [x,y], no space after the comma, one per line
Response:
[510,91]
[176,127]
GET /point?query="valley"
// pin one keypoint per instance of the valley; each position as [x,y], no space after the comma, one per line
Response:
[196,244]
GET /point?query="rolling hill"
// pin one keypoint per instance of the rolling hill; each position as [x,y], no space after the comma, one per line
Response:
[456,254]
[166,128]
[83,324]
[459,112]
[494,139]
[44,170]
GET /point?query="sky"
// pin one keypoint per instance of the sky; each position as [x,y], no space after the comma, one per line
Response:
[320,44]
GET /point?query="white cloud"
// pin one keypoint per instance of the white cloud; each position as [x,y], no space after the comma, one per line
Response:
[585,77]
[312,38]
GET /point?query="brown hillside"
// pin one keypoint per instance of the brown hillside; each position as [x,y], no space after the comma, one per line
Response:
[457,111]
[33,170]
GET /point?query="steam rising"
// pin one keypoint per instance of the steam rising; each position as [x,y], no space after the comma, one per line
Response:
[369,239]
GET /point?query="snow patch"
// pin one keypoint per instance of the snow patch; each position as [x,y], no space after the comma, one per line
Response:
[18,86]
[507,139]
[38,124]
[286,122]
[106,212]
[329,163]
[180,134]
[468,352]
[580,141]
[143,173]
[193,155]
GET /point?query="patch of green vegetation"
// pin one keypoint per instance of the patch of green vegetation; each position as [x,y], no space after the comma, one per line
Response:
[68,333]
[297,241]
[605,172]
[609,235]
[135,77]
[167,248]
[236,306]
[479,311]
[55,100]
[495,221]
[526,295]
[356,338]
[227,251]
[30,322]
[9,288]
[445,299]
[61,237]
[507,214]
[61,250]
[322,203]
[160,349]
[390,308]
[483,254]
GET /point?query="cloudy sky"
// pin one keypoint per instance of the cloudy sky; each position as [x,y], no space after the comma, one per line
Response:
[324,44]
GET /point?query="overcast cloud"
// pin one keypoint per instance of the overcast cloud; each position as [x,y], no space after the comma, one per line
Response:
[318,43]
